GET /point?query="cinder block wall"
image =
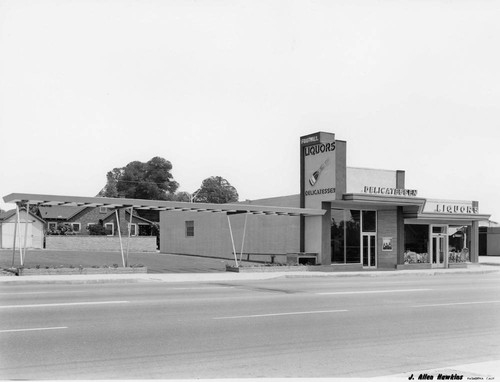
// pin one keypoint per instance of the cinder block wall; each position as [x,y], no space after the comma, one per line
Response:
[100,243]
[387,227]
[263,234]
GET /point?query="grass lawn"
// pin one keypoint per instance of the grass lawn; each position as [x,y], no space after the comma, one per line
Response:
[155,262]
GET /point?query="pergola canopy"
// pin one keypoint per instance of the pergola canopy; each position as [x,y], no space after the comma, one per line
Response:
[158,205]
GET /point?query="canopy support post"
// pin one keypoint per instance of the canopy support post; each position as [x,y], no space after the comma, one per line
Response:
[26,230]
[120,236]
[129,231]
[21,262]
[14,244]
[243,239]
[232,242]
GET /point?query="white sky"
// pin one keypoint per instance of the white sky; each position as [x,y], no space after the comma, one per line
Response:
[227,88]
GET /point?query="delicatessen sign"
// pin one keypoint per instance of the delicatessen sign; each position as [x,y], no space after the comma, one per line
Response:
[389,191]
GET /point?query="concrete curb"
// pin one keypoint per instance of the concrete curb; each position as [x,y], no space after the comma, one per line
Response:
[226,276]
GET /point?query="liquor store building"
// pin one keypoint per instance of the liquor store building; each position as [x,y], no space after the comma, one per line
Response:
[344,217]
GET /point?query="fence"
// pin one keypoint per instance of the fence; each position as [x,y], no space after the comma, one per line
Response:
[100,243]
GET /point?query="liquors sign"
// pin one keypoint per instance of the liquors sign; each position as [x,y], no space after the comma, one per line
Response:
[317,168]
[454,207]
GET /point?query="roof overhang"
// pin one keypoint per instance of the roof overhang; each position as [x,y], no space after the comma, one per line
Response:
[385,200]
[444,217]
[415,207]
[159,205]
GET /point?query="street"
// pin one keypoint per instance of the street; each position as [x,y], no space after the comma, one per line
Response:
[284,327]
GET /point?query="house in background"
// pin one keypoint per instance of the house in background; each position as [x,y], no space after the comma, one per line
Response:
[56,217]
[31,224]
[77,220]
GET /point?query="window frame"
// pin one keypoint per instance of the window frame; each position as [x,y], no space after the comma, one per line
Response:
[189,228]
[112,228]
[79,225]
[136,229]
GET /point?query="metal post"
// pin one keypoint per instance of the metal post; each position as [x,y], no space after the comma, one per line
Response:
[14,244]
[19,237]
[129,230]
[120,236]
[26,230]
[243,239]
[232,241]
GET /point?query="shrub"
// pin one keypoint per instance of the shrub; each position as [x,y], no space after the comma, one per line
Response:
[97,230]
[62,229]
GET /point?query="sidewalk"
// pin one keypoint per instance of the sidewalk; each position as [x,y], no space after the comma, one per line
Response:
[488,266]
[489,260]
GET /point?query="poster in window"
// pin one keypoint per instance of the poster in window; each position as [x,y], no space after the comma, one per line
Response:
[387,244]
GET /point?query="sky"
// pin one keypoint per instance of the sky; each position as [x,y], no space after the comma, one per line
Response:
[227,87]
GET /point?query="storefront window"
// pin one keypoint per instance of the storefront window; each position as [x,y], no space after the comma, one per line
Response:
[338,236]
[345,232]
[353,247]
[458,251]
[369,221]
[416,243]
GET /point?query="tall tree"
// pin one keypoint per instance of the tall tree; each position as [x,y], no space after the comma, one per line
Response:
[110,189]
[181,196]
[216,190]
[152,180]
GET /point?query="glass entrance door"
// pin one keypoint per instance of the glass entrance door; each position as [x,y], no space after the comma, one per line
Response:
[439,247]
[369,250]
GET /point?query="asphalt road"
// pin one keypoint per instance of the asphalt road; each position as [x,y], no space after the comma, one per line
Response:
[288,327]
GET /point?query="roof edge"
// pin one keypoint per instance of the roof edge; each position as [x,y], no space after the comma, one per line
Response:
[156,204]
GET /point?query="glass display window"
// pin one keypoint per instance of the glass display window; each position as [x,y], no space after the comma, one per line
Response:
[346,236]
[458,247]
[416,244]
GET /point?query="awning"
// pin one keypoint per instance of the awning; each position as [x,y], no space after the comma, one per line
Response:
[413,208]
[464,219]
[384,200]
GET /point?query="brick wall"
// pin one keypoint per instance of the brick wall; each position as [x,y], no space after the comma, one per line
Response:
[101,243]
[387,227]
